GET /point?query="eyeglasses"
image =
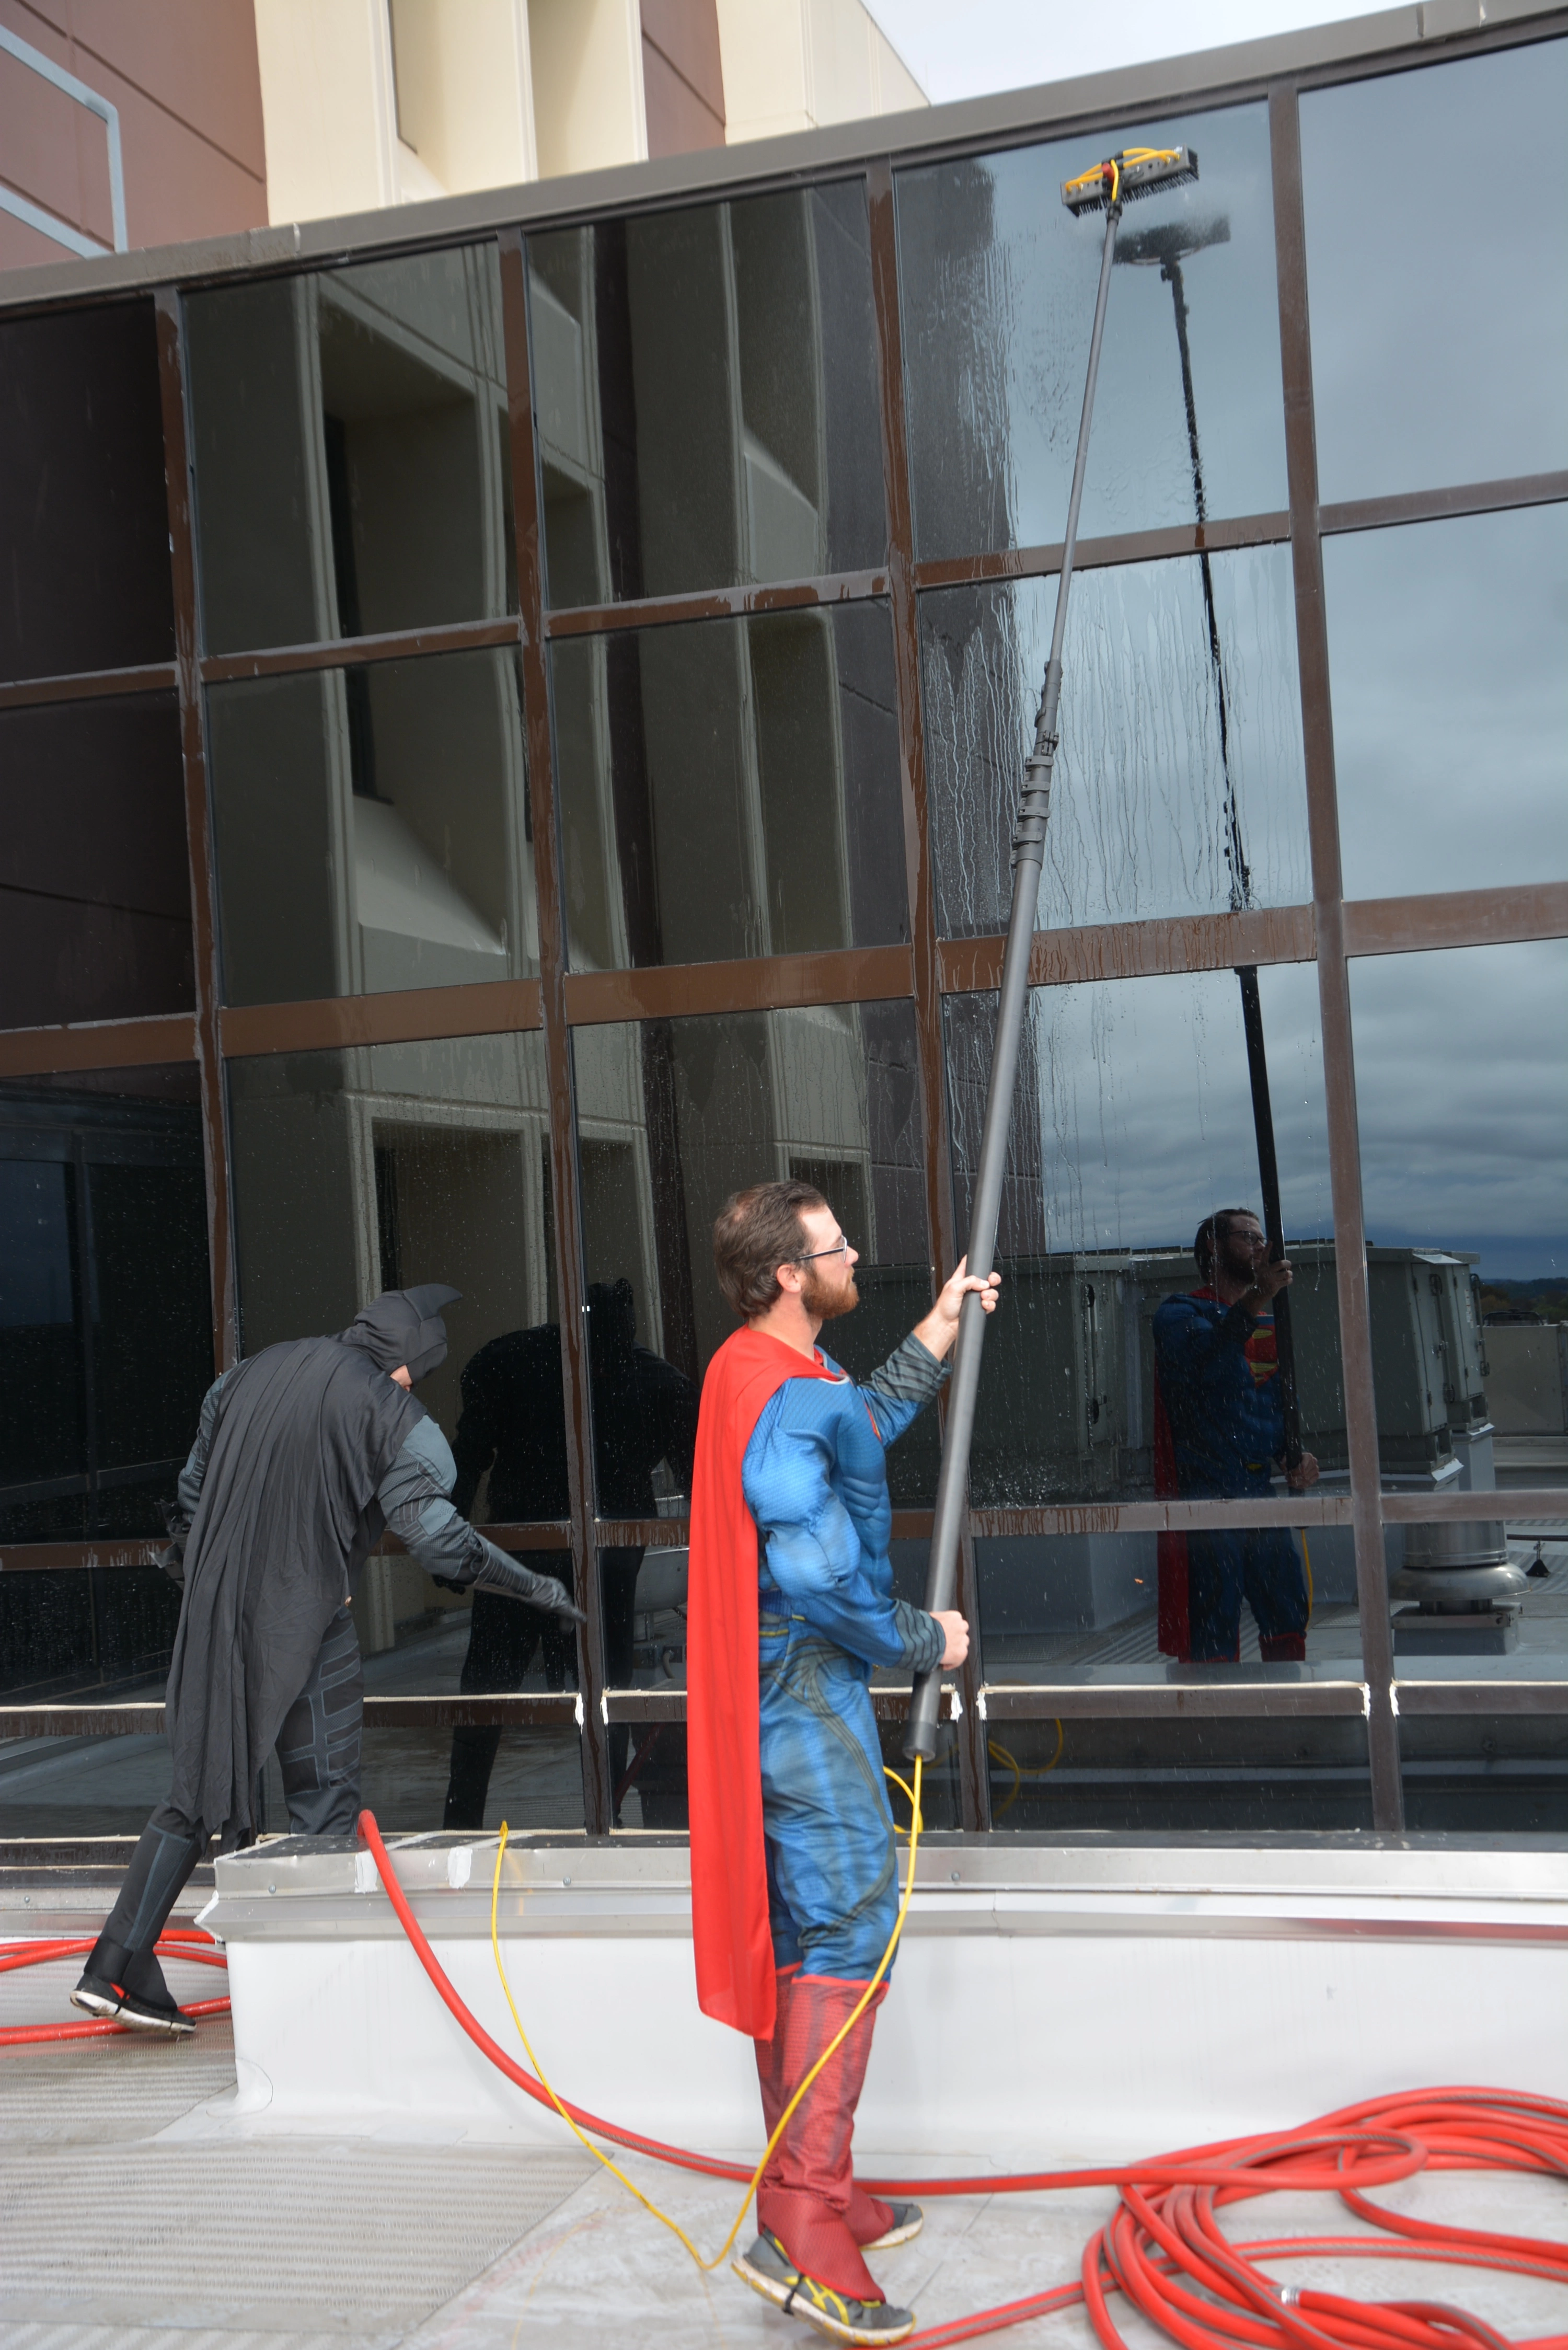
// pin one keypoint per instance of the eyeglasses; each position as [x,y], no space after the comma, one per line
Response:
[840,1248]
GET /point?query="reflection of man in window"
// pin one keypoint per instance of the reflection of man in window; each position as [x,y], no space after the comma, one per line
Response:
[513,1423]
[1219,1431]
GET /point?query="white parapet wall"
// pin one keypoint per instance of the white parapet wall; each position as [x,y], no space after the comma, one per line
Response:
[1050,2003]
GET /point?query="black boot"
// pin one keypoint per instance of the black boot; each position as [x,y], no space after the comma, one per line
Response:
[128,1987]
[123,1978]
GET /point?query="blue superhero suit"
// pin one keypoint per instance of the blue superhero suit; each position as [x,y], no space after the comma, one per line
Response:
[815,1479]
[1220,1386]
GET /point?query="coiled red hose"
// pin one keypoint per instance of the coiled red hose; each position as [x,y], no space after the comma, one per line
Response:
[174,1942]
[1164,2248]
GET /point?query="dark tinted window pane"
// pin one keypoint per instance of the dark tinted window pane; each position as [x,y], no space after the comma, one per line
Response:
[1438,353]
[1485,1775]
[1130,1607]
[369,1170]
[92,1787]
[84,519]
[647,1758]
[676,1115]
[1442,634]
[999,282]
[1171,755]
[730,788]
[398,1164]
[372,828]
[95,888]
[408,1776]
[706,388]
[351,453]
[107,1786]
[1178,1777]
[1134,1122]
[105,1303]
[1462,1087]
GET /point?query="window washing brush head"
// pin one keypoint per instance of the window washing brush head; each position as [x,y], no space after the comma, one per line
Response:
[1135,171]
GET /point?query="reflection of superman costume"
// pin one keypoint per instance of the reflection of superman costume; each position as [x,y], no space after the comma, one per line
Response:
[793,1881]
[1218,1429]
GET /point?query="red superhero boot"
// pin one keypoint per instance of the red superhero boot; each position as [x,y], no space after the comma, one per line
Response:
[875,2226]
[807,2254]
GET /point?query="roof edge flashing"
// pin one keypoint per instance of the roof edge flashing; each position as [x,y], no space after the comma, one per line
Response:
[1121,94]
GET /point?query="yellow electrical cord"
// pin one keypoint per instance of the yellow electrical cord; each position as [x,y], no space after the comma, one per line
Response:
[999,1753]
[916,1824]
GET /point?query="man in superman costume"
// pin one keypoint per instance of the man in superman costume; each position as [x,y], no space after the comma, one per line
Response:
[794,1884]
[1218,1429]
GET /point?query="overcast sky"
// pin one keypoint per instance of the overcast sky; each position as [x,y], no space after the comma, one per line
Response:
[962,49]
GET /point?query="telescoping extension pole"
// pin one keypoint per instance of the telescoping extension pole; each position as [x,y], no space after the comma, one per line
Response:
[1136,171]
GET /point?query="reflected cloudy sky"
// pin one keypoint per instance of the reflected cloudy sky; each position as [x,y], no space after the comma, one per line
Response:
[1449,645]
[1462,1091]
[1439,329]
[1139,821]
[1141,1123]
[1013,303]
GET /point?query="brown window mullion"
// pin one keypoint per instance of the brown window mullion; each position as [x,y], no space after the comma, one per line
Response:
[1333,976]
[198,824]
[527,501]
[974,1782]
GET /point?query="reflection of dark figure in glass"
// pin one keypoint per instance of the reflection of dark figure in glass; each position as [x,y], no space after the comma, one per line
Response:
[1219,1431]
[513,1423]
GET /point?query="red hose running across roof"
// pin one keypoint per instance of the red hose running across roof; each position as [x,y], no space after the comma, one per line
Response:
[1164,2247]
[175,1943]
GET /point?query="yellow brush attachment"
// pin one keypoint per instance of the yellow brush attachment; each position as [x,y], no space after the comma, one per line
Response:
[1135,171]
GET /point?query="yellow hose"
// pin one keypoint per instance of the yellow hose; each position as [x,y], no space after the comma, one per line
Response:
[916,1824]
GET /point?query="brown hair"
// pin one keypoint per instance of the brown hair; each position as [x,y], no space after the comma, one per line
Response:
[757,1231]
[1211,1232]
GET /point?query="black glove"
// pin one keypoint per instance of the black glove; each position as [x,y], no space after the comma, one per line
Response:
[500,1573]
[173,1559]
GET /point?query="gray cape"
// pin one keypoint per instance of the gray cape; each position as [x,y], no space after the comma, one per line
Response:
[305,1433]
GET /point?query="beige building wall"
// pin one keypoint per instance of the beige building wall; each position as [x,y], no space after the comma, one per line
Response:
[328,104]
[795,64]
[589,105]
[370,103]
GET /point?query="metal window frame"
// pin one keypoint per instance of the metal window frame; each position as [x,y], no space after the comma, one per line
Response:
[1328,930]
[21,207]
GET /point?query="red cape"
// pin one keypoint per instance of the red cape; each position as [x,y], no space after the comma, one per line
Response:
[734,1948]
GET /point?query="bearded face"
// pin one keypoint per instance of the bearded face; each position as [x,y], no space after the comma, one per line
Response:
[830,1289]
[1242,1248]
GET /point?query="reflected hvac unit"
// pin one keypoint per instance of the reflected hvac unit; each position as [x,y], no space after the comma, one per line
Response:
[1070,1370]
[1068,1414]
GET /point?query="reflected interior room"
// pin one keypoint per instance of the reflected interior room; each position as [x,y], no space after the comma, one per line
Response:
[372,830]
[383,1167]
[674,1116]
[707,396]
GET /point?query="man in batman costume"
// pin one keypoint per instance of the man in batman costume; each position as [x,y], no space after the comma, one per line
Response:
[303,1456]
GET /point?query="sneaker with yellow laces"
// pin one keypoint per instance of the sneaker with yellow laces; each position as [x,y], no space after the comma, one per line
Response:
[768,2270]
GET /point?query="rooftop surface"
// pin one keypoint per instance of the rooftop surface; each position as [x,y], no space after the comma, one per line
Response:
[126,2225]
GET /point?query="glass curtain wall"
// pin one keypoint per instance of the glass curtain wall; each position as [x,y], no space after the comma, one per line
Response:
[593,792]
